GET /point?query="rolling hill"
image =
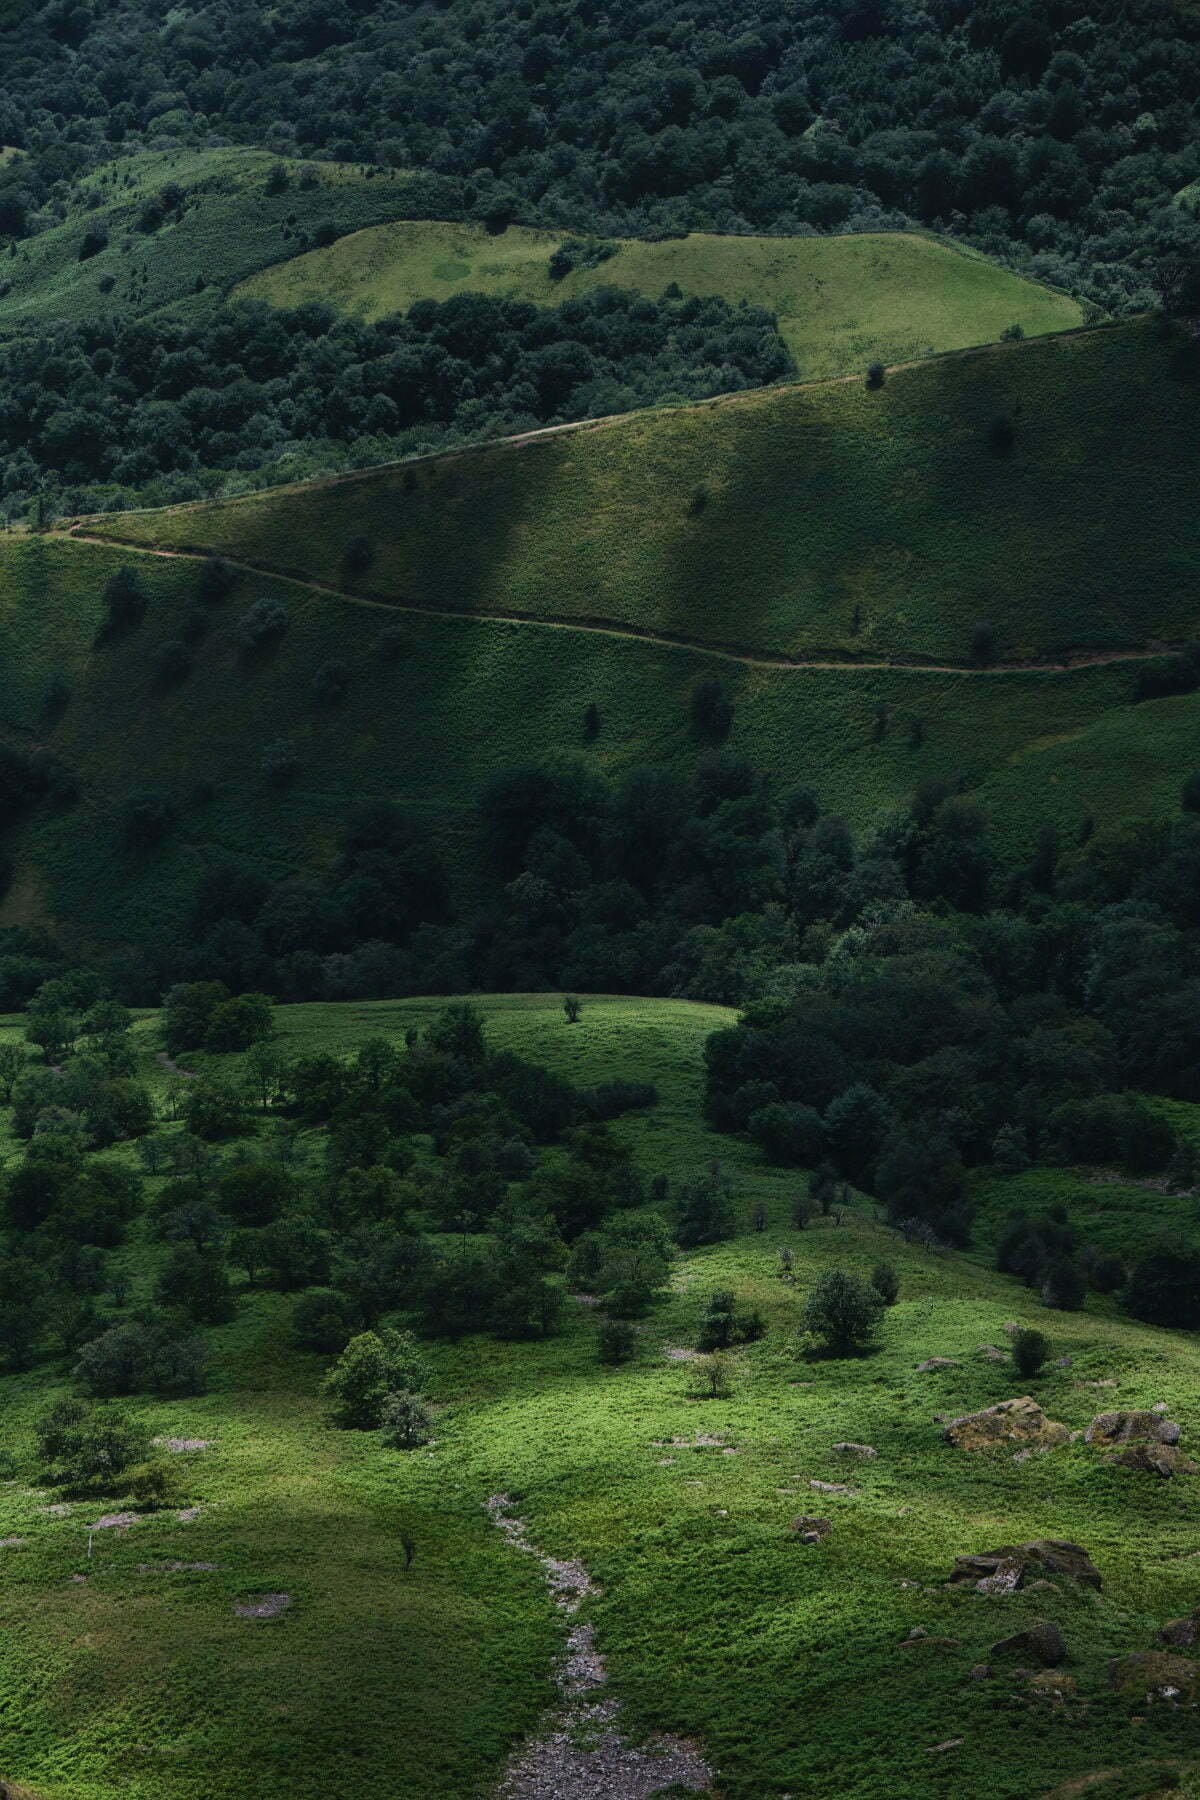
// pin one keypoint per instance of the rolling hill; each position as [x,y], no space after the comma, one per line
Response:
[841,302]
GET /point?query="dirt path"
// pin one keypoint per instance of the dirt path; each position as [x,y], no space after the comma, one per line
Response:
[581,1753]
[173,1068]
[1065,664]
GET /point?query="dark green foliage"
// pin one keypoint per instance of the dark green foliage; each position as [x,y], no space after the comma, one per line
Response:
[704,1208]
[158,402]
[1030,1352]
[876,375]
[262,623]
[124,600]
[1064,1285]
[724,1326]
[148,819]
[788,1133]
[1164,1286]
[325,1320]
[89,1446]
[616,1341]
[842,1313]
[886,1283]
[149,1354]
[197,1283]
[373,1366]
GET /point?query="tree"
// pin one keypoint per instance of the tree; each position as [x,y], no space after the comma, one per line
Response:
[842,1312]
[876,375]
[856,1124]
[83,1445]
[572,1008]
[149,1354]
[886,1283]
[263,623]
[1063,1285]
[704,1208]
[124,599]
[197,1282]
[1164,1286]
[713,1373]
[1010,1149]
[1030,1352]
[373,1366]
[406,1420]
[616,1341]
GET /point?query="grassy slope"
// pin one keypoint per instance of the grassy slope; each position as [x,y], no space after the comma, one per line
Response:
[785,1662]
[840,301]
[780,521]
[471,696]
[231,227]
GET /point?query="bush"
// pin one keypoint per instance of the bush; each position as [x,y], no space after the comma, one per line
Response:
[263,623]
[886,1283]
[358,555]
[371,1368]
[613,1098]
[84,1446]
[723,1326]
[1164,1287]
[876,375]
[174,661]
[615,1341]
[405,1421]
[331,683]
[713,1375]
[1107,1274]
[217,579]
[1063,1285]
[704,1208]
[1001,435]
[1010,1149]
[1030,1352]
[154,1486]
[983,644]
[325,1320]
[124,600]
[842,1313]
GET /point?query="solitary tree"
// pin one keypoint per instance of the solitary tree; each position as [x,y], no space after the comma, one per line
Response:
[842,1312]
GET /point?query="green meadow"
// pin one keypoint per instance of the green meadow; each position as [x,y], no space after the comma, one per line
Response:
[841,302]
[793,1666]
[428,718]
[829,521]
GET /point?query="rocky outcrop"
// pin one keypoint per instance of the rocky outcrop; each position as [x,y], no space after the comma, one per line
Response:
[1182,1633]
[1131,1428]
[1014,1566]
[1156,1675]
[864,1450]
[1020,1421]
[807,1529]
[1041,1643]
[1163,1460]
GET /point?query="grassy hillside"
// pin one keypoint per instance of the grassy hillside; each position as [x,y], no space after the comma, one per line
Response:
[841,301]
[714,1622]
[232,222]
[428,720]
[996,485]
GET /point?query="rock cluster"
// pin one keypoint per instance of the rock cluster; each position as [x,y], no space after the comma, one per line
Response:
[1019,1421]
[1013,1566]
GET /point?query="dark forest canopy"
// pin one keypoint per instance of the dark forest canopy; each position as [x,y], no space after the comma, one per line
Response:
[1056,134]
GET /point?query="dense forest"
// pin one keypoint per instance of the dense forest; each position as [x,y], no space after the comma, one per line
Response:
[1055,136]
[109,413]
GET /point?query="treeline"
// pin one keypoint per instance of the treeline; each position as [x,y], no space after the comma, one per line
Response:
[105,414]
[1055,135]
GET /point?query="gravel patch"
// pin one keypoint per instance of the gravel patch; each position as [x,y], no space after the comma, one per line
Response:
[581,1752]
[11,1543]
[183,1446]
[680,1353]
[58,1510]
[187,1514]
[114,1521]
[267,1606]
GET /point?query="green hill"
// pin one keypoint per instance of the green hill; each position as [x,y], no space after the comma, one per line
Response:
[841,302]
[828,521]
[239,210]
[139,1680]
[427,720]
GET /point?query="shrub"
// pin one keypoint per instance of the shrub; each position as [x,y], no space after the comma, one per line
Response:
[174,661]
[713,1373]
[610,1099]
[876,375]
[405,1420]
[214,1112]
[615,1341]
[124,600]
[1030,1352]
[983,644]
[154,1486]
[842,1312]
[1010,1149]
[1012,334]
[886,1283]
[197,1282]
[1107,1274]
[1001,435]
[358,555]
[262,623]
[331,683]
[723,1326]
[94,239]
[217,578]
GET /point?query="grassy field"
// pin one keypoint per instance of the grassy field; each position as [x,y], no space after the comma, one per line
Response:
[826,521]
[231,225]
[786,1663]
[841,302]
[463,698]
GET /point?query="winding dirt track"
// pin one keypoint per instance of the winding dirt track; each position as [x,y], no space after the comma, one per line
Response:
[1062,665]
